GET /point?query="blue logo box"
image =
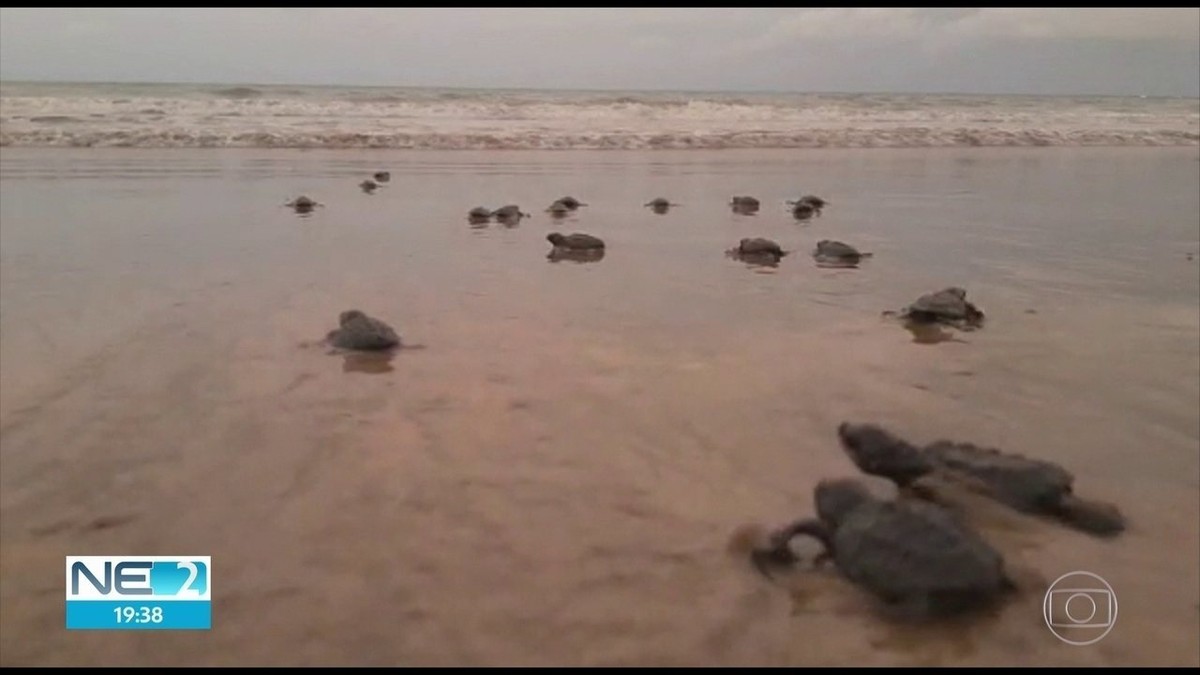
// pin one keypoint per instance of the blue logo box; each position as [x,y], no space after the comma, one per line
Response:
[139,593]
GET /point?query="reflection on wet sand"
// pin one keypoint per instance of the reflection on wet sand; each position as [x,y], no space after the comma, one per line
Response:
[926,333]
[837,264]
[754,260]
[368,362]
[558,254]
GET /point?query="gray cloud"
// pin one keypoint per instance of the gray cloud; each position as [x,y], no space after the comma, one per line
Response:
[1107,51]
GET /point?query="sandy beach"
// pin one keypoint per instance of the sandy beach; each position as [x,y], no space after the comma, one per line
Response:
[554,476]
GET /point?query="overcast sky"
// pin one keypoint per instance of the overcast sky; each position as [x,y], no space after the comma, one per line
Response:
[1039,51]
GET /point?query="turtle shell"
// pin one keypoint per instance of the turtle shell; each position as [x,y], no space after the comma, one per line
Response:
[1023,483]
[836,250]
[759,246]
[950,303]
[361,332]
[911,550]
[578,242]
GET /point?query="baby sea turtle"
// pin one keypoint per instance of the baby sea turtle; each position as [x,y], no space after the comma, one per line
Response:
[575,242]
[836,253]
[913,555]
[812,200]
[382,176]
[744,205]
[757,251]
[803,211]
[659,204]
[571,202]
[948,306]
[1027,485]
[510,212]
[559,209]
[368,186]
[303,204]
[360,332]
[479,214]
[760,246]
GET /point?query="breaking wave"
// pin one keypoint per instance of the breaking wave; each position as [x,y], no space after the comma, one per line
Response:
[828,138]
[265,116]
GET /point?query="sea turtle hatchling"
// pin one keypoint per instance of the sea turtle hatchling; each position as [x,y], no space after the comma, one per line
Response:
[744,205]
[559,209]
[509,212]
[570,202]
[1025,484]
[382,176]
[914,556]
[368,186]
[479,214]
[659,204]
[948,306]
[575,242]
[359,332]
[836,253]
[757,251]
[303,204]
[760,246]
[803,211]
[811,200]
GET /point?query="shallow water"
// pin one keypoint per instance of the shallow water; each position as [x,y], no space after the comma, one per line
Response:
[555,477]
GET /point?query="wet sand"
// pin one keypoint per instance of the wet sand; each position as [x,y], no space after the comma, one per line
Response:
[555,478]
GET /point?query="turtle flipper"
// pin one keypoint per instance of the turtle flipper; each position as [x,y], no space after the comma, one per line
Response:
[1093,517]
[777,552]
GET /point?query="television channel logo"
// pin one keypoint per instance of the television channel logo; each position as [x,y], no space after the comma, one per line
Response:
[1080,608]
[139,592]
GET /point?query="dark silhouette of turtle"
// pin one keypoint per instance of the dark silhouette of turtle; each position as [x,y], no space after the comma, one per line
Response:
[912,555]
[803,211]
[479,214]
[1027,485]
[382,176]
[509,213]
[571,202]
[303,204]
[758,245]
[360,332]
[368,186]
[837,254]
[811,200]
[574,242]
[744,205]
[659,204]
[948,306]
[559,209]
[757,251]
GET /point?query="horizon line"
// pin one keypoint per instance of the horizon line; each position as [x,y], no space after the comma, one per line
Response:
[603,90]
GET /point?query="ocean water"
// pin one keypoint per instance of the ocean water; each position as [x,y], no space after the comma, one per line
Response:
[262,116]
